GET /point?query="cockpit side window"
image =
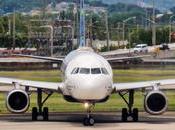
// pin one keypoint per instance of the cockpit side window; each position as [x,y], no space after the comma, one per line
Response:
[95,71]
[75,71]
[104,71]
[84,71]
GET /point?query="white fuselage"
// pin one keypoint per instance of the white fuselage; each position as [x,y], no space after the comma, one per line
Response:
[87,75]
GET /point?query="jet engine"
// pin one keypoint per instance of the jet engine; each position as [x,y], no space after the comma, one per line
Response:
[155,102]
[17,101]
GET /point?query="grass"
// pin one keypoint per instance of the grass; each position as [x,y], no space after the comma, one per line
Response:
[115,103]
[142,75]
[51,75]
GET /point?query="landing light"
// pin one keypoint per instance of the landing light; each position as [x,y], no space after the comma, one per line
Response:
[86,105]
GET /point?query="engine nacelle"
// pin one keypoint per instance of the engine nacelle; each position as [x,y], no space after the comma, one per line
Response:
[155,102]
[17,101]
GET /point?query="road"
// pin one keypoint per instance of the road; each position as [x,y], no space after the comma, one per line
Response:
[73,121]
[125,51]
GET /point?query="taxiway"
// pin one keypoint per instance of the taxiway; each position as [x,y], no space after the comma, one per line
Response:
[73,121]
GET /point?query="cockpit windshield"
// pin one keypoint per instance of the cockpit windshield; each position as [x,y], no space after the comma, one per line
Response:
[89,71]
[84,71]
[95,71]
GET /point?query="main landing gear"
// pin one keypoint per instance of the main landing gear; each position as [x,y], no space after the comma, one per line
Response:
[130,112]
[88,120]
[40,111]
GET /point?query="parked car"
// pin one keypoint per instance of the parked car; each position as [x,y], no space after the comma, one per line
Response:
[164,46]
[141,48]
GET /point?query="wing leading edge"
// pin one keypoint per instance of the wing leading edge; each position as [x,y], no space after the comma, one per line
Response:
[41,57]
[144,84]
[126,58]
[35,84]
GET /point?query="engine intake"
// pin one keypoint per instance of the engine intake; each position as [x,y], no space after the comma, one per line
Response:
[155,102]
[17,101]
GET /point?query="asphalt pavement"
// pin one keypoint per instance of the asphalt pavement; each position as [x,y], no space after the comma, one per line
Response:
[73,121]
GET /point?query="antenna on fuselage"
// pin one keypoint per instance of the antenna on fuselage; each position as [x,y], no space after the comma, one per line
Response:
[82,25]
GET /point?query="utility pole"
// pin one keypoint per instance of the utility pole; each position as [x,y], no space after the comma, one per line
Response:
[123,33]
[82,25]
[124,21]
[170,27]
[146,23]
[146,16]
[90,31]
[44,8]
[137,32]
[9,25]
[14,29]
[118,34]
[74,19]
[29,32]
[153,25]
[77,22]
[107,30]
[129,39]
[170,31]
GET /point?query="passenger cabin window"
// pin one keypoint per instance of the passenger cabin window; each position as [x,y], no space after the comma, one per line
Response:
[95,71]
[104,71]
[75,71]
[84,71]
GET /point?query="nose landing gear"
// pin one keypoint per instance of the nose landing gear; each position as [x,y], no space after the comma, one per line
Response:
[88,120]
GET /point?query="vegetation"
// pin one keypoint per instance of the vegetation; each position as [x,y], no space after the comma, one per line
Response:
[56,102]
[117,13]
[8,6]
[145,36]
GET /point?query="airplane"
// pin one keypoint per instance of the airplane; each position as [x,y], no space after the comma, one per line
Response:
[88,79]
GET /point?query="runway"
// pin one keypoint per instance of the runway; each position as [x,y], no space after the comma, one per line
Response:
[73,121]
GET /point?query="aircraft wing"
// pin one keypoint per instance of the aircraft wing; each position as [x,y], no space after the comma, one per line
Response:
[41,57]
[126,58]
[34,84]
[144,84]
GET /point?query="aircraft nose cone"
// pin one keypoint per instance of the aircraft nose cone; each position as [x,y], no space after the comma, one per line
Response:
[93,88]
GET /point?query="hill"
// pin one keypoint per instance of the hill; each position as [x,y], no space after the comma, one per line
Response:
[160,4]
[19,5]
[26,5]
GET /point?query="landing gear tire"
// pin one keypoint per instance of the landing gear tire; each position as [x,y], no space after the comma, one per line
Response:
[91,121]
[34,114]
[88,121]
[45,114]
[85,122]
[135,115]
[124,114]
